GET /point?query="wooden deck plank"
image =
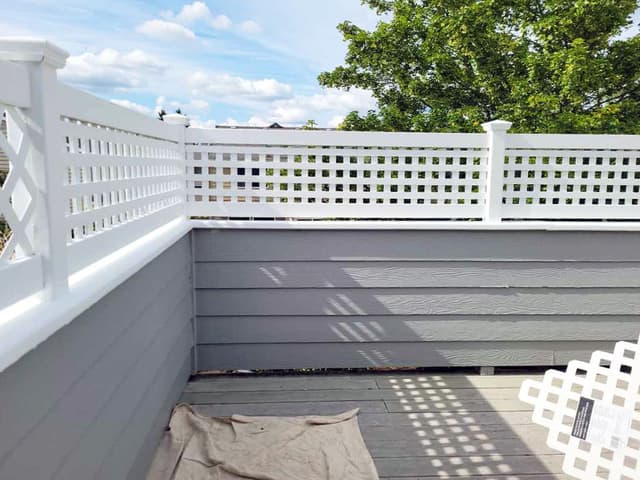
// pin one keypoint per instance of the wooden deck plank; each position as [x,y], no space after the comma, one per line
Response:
[269,383]
[470,465]
[421,395]
[417,426]
[296,408]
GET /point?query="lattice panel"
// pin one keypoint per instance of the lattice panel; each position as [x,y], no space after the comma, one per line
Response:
[571,184]
[17,187]
[115,177]
[613,379]
[329,181]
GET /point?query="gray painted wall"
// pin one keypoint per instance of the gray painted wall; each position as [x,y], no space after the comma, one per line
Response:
[92,401]
[292,299]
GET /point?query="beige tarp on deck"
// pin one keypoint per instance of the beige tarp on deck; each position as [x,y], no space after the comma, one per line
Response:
[265,448]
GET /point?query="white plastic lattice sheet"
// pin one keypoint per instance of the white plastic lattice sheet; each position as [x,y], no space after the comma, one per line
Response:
[592,412]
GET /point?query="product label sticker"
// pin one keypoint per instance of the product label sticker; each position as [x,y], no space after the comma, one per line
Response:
[601,423]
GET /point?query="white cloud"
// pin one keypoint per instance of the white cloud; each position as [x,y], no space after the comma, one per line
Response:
[198,12]
[220,22]
[190,106]
[164,30]
[198,104]
[111,69]
[254,121]
[251,27]
[136,107]
[229,86]
[328,109]
[332,101]
[335,121]
[196,122]
[192,12]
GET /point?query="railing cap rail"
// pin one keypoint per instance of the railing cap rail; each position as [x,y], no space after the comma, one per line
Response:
[25,49]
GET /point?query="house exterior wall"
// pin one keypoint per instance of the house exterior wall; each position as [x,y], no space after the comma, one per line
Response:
[93,399]
[273,299]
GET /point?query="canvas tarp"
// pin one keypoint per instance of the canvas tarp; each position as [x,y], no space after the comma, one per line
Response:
[196,447]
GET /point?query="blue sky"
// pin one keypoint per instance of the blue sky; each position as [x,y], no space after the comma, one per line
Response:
[223,61]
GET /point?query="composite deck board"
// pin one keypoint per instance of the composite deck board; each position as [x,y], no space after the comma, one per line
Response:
[443,394]
[473,427]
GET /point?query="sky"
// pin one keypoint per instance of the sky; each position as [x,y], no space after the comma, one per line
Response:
[233,62]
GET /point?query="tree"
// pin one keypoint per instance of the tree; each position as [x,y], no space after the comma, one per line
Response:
[545,65]
[310,125]
[161,114]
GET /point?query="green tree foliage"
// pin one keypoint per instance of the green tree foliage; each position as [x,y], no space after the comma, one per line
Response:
[450,65]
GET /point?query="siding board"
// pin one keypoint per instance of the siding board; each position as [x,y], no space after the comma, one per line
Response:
[337,274]
[63,402]
[270,299]
[348,245]
[416,301]
[424,354]
[411,328]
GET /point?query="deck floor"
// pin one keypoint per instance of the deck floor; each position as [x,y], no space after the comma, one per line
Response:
[417,426]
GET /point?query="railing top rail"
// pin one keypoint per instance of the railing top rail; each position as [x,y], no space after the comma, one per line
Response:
[287,137]
[572,141]
[79,105]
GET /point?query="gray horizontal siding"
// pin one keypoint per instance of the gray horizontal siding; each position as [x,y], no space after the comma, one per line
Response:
[383,245]
[331,274]
[301,299]
[68,405]
[411,328]
[339,355]
[419,301]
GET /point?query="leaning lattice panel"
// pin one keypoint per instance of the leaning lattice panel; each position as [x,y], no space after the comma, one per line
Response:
[551,177]
[117,181]
[592,412]
[18,190]
[336,180]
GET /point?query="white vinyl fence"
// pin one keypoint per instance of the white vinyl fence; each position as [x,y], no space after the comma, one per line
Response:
[491,177]
[88,177]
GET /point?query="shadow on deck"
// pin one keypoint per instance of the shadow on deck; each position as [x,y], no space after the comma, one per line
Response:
[416,426]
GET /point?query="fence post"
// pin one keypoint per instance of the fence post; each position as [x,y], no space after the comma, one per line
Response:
[497,135]
[183,122]
[45,159]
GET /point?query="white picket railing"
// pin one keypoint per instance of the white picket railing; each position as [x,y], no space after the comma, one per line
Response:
[88,179]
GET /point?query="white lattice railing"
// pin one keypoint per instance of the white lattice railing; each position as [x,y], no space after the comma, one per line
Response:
[571,177]
[85,177]
[236,173]
[119,183]
[494,177]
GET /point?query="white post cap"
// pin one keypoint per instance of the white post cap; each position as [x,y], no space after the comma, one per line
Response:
[176,119]
[22,49]
[497,126]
